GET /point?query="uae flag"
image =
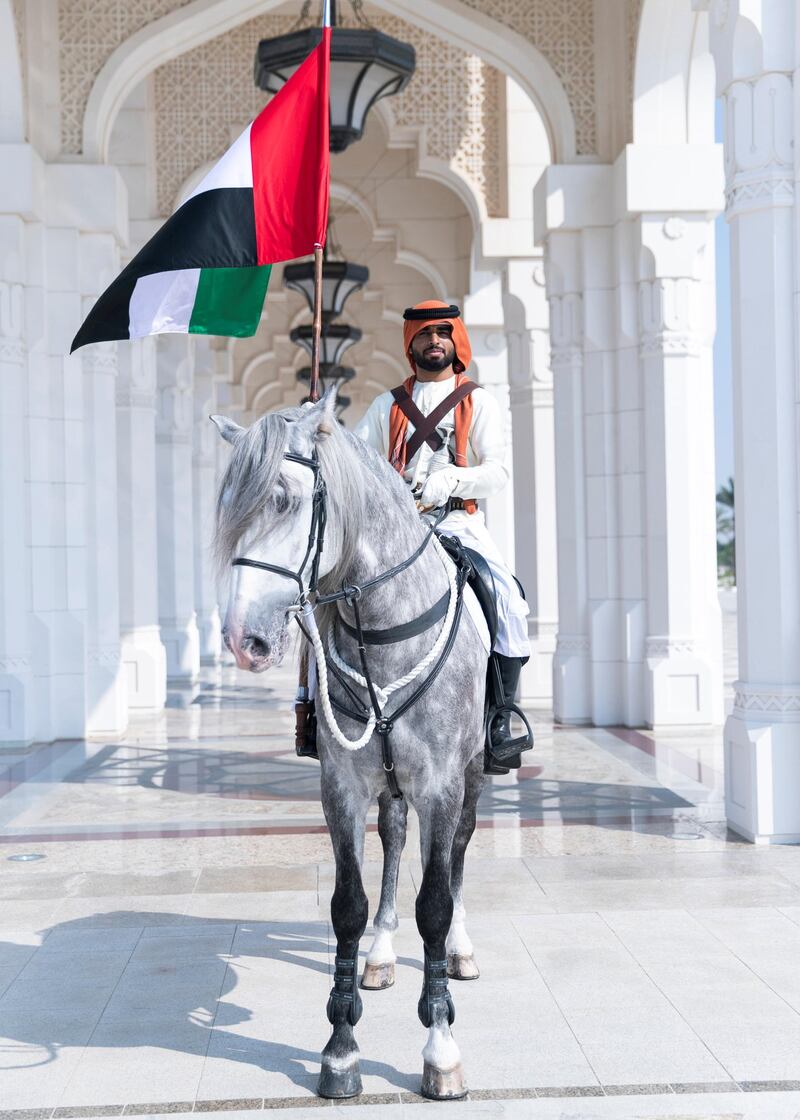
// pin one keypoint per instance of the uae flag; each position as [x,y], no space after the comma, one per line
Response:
[206,270]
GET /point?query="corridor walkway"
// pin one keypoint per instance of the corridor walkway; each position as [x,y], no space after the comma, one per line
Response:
[164,942]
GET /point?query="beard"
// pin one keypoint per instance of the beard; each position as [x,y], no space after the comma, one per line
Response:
[435,365]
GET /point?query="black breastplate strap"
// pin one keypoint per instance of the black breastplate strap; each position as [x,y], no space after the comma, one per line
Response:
[405,630]
[425,426]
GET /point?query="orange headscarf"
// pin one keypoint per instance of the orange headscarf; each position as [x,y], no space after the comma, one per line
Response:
[412,327]
[398,421]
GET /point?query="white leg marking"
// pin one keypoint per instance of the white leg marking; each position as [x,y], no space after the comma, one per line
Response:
[440,1051]
[458,941]
[381,951]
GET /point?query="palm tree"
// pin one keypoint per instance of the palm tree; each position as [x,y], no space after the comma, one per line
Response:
[726,535]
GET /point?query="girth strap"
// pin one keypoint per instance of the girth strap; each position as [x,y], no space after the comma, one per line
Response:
[425,426]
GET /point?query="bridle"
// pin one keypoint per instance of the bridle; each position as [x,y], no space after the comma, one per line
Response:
[352,594]
[316,534]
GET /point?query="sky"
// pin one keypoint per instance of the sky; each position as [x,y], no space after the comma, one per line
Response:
[723,387]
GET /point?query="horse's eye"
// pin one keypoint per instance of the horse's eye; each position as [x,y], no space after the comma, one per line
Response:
[280,500]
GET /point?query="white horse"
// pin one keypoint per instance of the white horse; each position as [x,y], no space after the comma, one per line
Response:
[294,478]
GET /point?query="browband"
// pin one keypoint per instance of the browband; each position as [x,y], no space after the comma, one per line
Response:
[451,312]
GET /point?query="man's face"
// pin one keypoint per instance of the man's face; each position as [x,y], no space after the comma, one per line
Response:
[432,348]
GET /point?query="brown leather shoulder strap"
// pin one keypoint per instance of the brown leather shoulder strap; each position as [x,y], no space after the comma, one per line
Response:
[422,433]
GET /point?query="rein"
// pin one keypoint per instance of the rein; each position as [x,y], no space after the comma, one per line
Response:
[449,606]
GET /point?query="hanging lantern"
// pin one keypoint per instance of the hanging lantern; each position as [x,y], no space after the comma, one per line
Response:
[327,374]
[339,280]
[365,66]
[336,338]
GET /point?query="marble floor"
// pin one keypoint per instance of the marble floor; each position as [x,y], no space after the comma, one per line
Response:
[165,945]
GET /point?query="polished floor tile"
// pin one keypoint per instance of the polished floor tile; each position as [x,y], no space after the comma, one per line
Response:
[174,943]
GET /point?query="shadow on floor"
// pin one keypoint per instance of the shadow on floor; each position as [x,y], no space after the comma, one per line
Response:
[196,1008]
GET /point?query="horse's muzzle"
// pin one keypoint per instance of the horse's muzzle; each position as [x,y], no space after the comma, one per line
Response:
[253,653]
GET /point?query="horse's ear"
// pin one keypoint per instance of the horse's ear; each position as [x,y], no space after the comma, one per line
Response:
[320,418]
[228,429]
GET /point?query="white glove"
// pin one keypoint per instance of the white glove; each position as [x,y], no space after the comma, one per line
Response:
[438,488]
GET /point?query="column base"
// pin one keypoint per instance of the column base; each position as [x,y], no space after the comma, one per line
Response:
[683,688]
[571,680]
[16,702]
[145,662]
[106,692]
[182,643]
[209,629]
[536,681]
[762,764]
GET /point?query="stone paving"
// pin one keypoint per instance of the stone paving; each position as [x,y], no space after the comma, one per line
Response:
[171,951]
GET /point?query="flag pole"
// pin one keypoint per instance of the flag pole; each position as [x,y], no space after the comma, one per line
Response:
[316,328]
[328,8]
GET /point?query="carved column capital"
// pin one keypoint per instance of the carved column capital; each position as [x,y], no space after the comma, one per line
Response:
[759,157]
[12,343]
[566,329]
[667,316]
[101,357]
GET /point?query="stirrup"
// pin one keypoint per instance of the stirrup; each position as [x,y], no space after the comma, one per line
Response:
[504,753]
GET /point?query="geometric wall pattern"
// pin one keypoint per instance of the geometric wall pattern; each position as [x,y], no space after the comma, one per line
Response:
[560,29]
[89,31]
[206,96]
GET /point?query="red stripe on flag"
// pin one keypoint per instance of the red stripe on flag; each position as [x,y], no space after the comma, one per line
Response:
[291,162]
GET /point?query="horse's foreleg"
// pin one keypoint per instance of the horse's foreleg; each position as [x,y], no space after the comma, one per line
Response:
[340,1076]
[460,957]
[392,817]
[443,1077]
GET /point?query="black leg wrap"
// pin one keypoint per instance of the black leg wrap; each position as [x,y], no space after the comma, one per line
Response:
[435,999]
[344,1002]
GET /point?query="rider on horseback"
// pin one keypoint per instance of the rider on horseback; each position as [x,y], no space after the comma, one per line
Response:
[454,455]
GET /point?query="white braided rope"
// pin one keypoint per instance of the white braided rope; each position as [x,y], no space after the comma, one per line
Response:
[382,693]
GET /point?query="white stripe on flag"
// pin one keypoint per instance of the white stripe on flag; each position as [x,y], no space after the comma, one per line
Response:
[162,303]
[235,169]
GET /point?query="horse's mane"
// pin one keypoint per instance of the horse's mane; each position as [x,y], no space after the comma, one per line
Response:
[350,468]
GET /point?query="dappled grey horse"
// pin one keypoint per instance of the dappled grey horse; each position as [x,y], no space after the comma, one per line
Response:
[294,478]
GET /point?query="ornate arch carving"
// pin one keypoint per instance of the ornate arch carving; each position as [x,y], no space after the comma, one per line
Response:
[108,48]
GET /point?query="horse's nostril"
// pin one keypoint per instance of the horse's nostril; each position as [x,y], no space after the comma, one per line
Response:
[255,645]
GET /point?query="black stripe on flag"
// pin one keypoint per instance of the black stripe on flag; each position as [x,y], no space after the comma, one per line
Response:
[215,229]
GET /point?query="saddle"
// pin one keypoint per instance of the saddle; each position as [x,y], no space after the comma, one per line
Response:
[480,579]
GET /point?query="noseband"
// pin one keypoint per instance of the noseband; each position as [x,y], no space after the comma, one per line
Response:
[352,595]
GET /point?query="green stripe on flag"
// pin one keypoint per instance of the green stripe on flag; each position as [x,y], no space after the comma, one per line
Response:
[229,301]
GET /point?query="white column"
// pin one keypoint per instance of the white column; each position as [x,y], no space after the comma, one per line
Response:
[106,685]
[57,491]
[630,283]
[757,58]
[16,676]
[672,439]
[176,578]
[143,653]
[571,677]
[601,436]
[483,313]
[531,401]
[204,491]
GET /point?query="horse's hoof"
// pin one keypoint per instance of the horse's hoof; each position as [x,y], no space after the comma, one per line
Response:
[338,1084]
[462,968]
[443,1084]
[377,976]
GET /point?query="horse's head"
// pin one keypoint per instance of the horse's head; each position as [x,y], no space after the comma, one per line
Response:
[264,513]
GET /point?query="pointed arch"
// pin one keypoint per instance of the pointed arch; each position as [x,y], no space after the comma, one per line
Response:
[197,22]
